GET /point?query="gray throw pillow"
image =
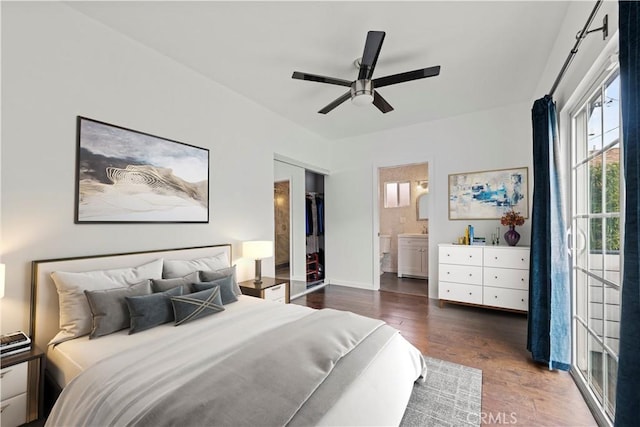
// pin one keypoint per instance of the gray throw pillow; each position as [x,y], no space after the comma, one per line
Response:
[196,305]
[226,289]
[162,285]
[210,275]
[147,311]
[109,309]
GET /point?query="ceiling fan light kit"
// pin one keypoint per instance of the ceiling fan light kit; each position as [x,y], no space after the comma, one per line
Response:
[362,89]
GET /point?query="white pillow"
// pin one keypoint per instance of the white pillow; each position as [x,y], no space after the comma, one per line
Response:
[75,313]
[180,267]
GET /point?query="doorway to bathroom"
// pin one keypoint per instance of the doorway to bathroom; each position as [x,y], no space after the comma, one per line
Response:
[403,194]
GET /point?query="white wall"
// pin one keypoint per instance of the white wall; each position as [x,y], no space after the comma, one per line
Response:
[493,139]
[56,64]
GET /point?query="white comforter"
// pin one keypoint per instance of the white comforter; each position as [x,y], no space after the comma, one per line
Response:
[390,374]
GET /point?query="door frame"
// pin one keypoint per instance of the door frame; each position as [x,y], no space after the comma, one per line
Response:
[375,233]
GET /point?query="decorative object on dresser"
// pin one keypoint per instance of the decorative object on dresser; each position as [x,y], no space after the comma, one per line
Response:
[257,250]
[269,288]
[511,219]
[488,194]
[22,390]
[491,276]
[413,255]
[126,176]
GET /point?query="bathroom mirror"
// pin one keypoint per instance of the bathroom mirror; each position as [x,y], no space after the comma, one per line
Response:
[421,206]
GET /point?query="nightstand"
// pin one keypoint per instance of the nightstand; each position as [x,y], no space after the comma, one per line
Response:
[270,289]
[22,377]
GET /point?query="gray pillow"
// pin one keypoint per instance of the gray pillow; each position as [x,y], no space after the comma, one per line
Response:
[210,275]
[109,309]
[163,285]
[226,289]
[147,311]
[196,305]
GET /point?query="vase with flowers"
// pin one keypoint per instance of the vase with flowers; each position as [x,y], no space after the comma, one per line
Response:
[511,219]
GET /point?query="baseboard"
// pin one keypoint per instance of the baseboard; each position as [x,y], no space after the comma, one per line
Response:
[359,285]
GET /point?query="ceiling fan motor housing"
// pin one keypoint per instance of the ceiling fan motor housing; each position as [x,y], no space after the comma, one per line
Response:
[362,92]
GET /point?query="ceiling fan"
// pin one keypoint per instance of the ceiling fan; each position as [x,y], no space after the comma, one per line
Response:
[363,89]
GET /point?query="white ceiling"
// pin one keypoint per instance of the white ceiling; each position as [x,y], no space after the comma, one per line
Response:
[491,53]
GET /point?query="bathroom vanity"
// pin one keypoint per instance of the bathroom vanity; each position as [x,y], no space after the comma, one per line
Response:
[413,255]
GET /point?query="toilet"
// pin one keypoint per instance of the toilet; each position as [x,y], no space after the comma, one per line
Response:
[385,248]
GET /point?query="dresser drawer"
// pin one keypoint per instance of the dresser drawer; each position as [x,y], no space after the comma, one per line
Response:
[276,292]
[458,292]
[506,258]
[506,298]
[460,273]
[14,410]
[506,278]
[14,380]
[467,255]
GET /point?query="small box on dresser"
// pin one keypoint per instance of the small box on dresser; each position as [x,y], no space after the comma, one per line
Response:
[492,276]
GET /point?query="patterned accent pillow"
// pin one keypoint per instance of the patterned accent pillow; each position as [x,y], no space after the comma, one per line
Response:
[196,305]
[163,285]
[147,311]
[226,289]
[109,308]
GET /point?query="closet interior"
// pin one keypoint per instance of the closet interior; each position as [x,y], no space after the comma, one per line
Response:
[314,228]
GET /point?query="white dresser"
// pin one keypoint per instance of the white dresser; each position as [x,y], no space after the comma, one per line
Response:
[493,276]
[413,255]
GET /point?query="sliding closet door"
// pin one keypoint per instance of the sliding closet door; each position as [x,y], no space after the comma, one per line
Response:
[597,236]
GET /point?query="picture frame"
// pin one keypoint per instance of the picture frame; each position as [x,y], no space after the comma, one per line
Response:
[488,194]
[127,176]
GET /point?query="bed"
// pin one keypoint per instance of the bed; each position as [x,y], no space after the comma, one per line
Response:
[252,362]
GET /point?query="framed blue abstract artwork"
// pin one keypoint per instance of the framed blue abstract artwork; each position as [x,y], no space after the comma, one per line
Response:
[488,194]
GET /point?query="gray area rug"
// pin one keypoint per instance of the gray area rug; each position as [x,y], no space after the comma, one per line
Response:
[450,396]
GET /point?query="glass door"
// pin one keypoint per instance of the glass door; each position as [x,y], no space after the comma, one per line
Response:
[597,242]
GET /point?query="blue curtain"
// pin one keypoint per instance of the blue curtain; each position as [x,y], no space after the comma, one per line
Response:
[628,388]
[549,321]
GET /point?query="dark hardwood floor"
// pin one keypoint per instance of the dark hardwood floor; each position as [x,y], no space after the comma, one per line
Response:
[514,389]
[404,285]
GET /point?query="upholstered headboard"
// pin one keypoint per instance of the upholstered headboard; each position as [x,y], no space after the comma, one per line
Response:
[44,297]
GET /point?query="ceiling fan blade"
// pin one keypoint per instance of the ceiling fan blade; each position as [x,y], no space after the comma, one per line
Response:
[335,103]
[320,79]
[381,103]
[406,77]
[370,55]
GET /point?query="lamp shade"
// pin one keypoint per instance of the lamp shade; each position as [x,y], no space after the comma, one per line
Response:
[257,249]
[1,280]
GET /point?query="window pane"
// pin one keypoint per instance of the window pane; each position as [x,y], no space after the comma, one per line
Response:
[582,181]
[596,307]
[596,259]
[404,197]
[612,171]
[611,111]
[612,318]
[391,195]
[582,355]
[595,367]
[595,184]
[612,371]
[595,124]
[581,295]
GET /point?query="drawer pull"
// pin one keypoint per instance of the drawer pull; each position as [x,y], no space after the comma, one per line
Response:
[495,257]
[496,296]
[522,300]
[448,290]
[5,373]
[522,280]
[522,259]
[470,274]
[495,277]
[275,288]
[448,272]
[4,407]
[470,293]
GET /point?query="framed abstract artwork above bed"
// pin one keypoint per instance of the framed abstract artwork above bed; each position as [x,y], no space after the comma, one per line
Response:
[127,176]
[488,194]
